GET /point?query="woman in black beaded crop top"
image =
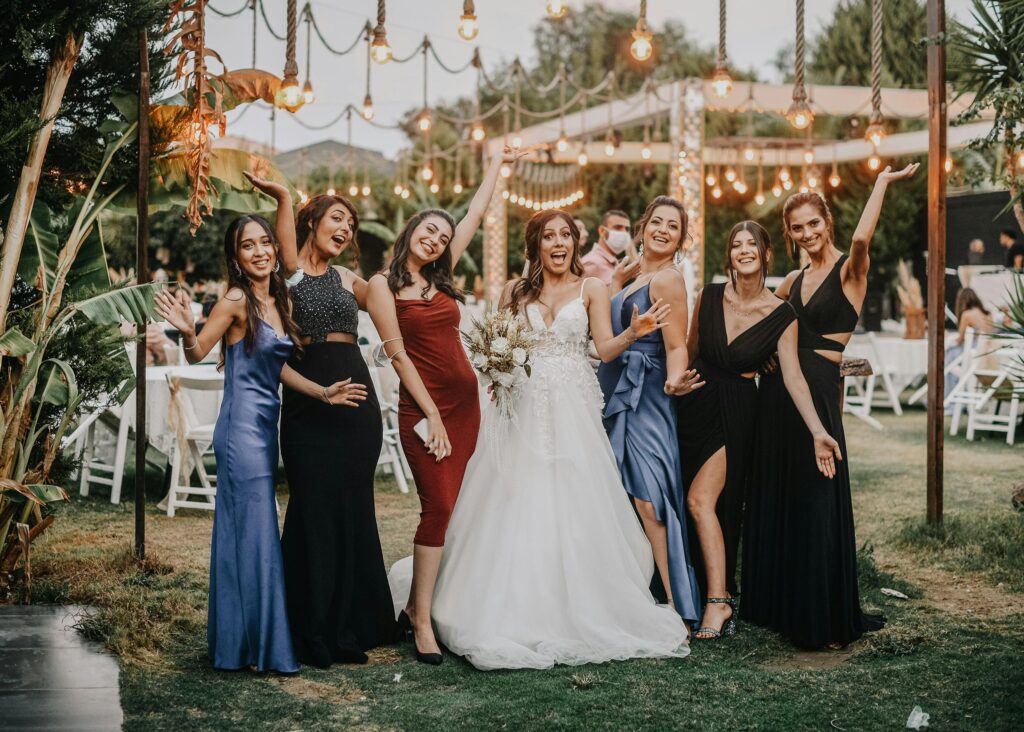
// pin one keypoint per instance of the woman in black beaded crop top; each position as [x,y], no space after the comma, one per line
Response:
[339,602]
[799,550]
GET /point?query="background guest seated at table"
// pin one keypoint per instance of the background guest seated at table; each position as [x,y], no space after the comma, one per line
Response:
[970,313]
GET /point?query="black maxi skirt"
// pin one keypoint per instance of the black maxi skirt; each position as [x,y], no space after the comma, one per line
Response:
[799,549]
[339,602]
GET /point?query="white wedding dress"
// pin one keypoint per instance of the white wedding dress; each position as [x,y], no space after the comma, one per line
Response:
[545,560]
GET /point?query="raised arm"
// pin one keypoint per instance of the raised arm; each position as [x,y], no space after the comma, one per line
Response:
[599,309]
[381,304]
[825,448]
[859,259]
[478,206]
[176,309]
[284,228]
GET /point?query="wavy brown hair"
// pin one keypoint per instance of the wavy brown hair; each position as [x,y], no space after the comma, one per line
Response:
[684,220]
[761,239]
[967,299]
[237,278]
[804,199]
[439,273]
[309,216]
[527,289]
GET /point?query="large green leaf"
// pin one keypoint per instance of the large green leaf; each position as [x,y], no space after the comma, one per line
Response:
[38,263]
[379,230]
[35,492]
[133,304]
[14,343]
[60,386]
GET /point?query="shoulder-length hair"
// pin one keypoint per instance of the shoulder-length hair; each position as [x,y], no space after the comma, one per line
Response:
[237,278]
[439,273]
[527,289]
[684,220]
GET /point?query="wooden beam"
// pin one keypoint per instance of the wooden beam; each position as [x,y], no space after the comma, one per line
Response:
[936,253]
[142,277]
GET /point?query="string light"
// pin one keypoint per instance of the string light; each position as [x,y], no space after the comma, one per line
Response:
[289,95]
[353,190]
[517,141]
[834,180]
[808,156]
[366,190]
[427,173]
[582,158]
[874,162]
[367,108]
[506,170]
[711,180]
[331,191]
[380,49]
[812,179]
[405,193]
[557,9]
[477,132]
[457,188]
[468,28]
[398,189]
[948,164]
[875,132]
[435,187]
[721,81]
[776,190]
[799,113]
[787,184]
[716,192]
[759,199]
[308,96]
[643,41]
[563,143]
[424,121]
[748,153]
[645,151]
[730,174]
[784,173]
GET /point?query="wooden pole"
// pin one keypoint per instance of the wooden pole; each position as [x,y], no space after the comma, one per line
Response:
[142,275]
[936,252]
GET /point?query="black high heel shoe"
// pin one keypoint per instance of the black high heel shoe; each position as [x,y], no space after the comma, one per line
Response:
[407,633]
[728,627]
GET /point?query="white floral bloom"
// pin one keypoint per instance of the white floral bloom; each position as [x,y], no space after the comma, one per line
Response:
[478,360]
[503,379]
[499,345]
[519,356]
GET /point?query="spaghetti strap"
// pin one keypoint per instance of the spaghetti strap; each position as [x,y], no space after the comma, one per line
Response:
[584,284]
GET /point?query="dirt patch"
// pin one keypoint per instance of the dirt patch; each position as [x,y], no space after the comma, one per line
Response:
[340,692]
[815,660]
[956,594]
[383,656]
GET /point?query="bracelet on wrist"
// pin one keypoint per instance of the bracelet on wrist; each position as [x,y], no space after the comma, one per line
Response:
[193,347]
[323,393]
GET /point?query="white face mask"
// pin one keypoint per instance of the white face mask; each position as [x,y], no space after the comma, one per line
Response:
[617,241]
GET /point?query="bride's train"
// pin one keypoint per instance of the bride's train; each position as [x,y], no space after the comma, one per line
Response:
[545,561]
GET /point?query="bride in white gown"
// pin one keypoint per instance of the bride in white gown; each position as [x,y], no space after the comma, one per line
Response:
[545,561]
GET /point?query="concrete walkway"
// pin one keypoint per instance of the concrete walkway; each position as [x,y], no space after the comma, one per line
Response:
[49,677]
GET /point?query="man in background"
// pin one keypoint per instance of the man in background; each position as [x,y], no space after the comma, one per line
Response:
[976,252]
[1014,249]
[603,260]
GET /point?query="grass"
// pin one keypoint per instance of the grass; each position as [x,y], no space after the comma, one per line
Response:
[954,648]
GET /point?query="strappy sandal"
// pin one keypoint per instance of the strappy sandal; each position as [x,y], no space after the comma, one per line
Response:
[728,628]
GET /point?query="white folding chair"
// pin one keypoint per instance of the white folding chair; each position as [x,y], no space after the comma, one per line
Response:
[101,440]
[996,388]
[869,396]
[965,394]
[392,458]
[191,442]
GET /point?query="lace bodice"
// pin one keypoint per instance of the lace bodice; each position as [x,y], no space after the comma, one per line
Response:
[567,334]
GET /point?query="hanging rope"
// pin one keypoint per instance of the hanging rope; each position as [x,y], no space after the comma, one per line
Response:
[266,22]
[799,92]
[308,10]
[255,21]
[291,67]
[446,67]
[232,14]
[876,62]
[721,34]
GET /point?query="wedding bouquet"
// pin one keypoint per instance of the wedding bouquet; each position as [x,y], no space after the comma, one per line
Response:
[499,349]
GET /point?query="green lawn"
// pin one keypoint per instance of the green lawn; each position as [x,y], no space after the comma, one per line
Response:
[954,648]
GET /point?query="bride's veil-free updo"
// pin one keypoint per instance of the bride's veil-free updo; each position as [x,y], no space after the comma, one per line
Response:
[528,288]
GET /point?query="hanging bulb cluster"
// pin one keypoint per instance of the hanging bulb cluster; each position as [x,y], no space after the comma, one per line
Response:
[468,28]
[643,42]
[527,200]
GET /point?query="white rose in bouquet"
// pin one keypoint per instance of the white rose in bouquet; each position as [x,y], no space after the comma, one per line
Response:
[503,378]
[500,345]
[519,356]
[478,360]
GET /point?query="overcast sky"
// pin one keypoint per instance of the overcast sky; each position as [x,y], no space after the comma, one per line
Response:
[757,30]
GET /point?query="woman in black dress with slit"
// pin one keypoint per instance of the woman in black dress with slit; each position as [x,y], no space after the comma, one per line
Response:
[739,324]
[799,549]
[339,601]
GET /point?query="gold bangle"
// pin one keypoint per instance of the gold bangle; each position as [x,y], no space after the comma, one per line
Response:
[323,393]
[193,347]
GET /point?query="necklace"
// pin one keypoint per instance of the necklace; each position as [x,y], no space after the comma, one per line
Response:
[745,310]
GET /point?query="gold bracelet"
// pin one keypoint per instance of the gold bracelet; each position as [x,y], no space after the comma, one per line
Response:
[193,347]
[323,392]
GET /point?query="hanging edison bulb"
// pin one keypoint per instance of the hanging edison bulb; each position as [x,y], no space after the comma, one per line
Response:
[424,121]
[367,107]
[812,178]
[506,195]
[808,156]
[563,143]
[477,132]
[721,82]
[331,191]
[800,114]
[380,49]
[427,173]
[784,173]
[308,96]
[787,184]
[948,165]
[776,190]
[353,190]
[834,180]
[643,42]
[468,28]
[645,151]
[289,96]
[711,180]
[397,190]
[557,9]
[875,133]
[874,162]
[506,170]
[435,187]
[582,158]
[405,193]
[730,174]
[716,192]
[457,188]
[759,199]
[748,153]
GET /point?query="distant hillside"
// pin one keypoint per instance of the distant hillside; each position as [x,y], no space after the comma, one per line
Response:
[330,153]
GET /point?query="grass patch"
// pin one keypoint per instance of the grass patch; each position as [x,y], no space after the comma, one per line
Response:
[992,544]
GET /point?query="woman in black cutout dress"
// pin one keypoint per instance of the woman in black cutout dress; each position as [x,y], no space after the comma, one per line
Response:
[721,414]
[799,548]
[339,601]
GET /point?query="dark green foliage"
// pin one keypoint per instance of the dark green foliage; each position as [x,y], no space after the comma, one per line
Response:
[109,61]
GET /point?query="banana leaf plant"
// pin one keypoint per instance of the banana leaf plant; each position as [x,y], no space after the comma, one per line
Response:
[69,273]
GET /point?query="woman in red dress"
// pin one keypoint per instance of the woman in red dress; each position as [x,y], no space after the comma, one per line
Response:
[415,309]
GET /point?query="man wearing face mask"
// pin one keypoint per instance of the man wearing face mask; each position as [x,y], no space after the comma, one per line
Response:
[603,261]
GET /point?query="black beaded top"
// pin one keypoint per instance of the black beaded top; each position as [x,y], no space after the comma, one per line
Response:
[321,304]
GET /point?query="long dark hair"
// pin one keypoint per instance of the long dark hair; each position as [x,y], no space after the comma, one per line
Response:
[438,273]
[802,199]
[309,217]
[527,289]
[761,239]
[967,299]
[237,278]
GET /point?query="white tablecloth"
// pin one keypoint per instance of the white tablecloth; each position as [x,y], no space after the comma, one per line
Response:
[906,360]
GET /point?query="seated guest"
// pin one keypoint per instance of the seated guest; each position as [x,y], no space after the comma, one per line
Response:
[602,261]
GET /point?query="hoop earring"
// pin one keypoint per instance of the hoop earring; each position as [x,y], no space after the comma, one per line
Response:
[238,270]
[677,258]
[640,250]
[277,266]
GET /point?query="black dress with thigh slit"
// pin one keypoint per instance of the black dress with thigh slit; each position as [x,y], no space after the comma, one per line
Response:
[339,601]
[799,549]
[723,414]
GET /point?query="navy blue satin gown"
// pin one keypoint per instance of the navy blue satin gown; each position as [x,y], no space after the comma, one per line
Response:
[640,419]
[247,623]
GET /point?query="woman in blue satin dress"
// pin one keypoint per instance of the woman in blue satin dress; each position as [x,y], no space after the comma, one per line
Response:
[247,623]
[639,414]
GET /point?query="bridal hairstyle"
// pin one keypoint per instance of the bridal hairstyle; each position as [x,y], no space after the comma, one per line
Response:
[308,220]
[438,273]
[802,199]
[528,288]
[761,239]
[684,220]
[238,278]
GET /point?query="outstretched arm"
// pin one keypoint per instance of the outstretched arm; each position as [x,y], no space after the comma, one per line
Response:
[284,229]
[859,260]
[599,309]
[478,206]
[176,309]
[341,393]
[825,448]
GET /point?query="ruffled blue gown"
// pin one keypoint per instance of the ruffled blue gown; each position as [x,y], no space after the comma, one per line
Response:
[640,419]
[247,623]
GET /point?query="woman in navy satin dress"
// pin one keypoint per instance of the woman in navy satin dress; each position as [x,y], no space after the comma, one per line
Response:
[247,623]
[639,414]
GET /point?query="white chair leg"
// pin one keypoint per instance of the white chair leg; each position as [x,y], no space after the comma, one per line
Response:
[894,397]
[954,425]
[87,451]
[119,458]
[1011,428]
[395,462]
[172,495]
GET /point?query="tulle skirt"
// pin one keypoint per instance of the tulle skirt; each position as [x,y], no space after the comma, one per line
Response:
[545,561]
